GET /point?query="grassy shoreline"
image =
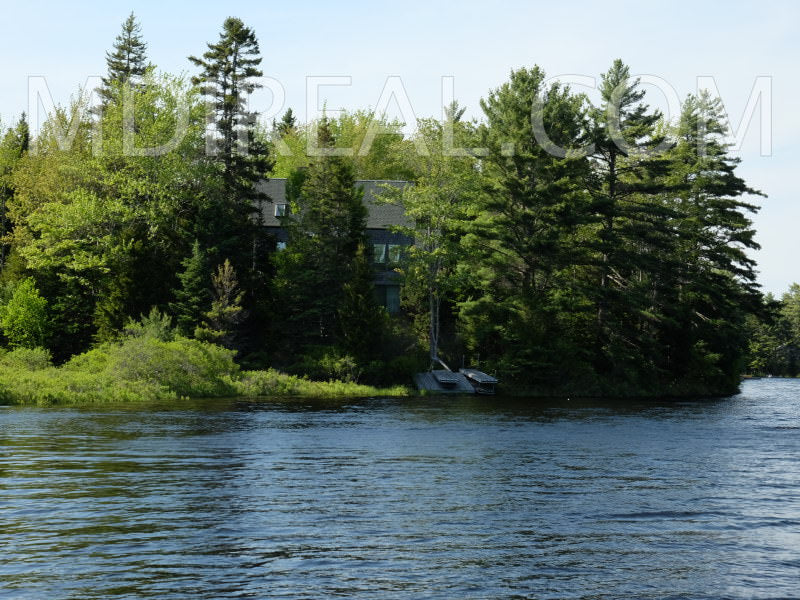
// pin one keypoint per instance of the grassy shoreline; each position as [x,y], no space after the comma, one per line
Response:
[147,369]
[151,369]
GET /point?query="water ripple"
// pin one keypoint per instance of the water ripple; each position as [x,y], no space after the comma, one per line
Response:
[461,498]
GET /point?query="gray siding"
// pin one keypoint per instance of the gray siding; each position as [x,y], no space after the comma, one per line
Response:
[379,215]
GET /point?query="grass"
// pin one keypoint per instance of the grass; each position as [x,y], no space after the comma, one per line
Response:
[148,369]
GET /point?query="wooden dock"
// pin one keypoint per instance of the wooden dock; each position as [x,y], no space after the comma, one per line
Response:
[443,382]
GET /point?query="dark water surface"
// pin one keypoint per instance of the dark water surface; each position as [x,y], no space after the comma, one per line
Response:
[421,498]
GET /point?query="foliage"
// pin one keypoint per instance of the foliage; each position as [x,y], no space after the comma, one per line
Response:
[274,383]
[564,247]
[440,205]
[156,325]
[93,224]
[30,359]
[13,146]
[126,62]
[374,145]
[226,308]
[326,228]
[192,297]
[327,363]
[145,368]
[23,318]
[138,368]
[361,321]
[774,336]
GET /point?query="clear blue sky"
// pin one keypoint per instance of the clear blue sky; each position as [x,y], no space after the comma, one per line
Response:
[475,42]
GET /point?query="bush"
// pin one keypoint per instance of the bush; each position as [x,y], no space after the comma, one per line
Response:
[327,363]
[24,317]
[156,325]
[136,369]
[274,383]
[145,368]
[31,359]
[185,367]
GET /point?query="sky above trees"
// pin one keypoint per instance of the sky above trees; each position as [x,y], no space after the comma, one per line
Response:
[476,43]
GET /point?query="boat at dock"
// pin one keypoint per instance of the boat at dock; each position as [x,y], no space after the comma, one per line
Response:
[464,381]
[481,382]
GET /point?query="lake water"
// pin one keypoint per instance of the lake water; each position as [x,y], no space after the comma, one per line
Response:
[420,498]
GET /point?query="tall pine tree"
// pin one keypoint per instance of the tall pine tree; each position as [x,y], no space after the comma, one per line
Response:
[228,75]
[632,223]
[524,237]
[712,279]
[127,61]
[326,228]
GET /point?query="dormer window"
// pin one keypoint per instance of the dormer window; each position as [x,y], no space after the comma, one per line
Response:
[379,253]
[395,253]
[281,210]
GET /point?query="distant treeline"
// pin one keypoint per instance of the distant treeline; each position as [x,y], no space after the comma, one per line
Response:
[582,249]
[774,335]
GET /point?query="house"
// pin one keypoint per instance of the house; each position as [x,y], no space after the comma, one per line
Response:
[386,244]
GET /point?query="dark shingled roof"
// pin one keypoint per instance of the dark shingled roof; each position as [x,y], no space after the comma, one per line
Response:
[380,216]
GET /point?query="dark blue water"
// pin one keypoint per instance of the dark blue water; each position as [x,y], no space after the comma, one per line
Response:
[456,498]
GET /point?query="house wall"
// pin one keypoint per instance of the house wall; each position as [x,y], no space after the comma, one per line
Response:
[383,243]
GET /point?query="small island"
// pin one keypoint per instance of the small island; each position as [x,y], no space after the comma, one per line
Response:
[165,242]
[399,301]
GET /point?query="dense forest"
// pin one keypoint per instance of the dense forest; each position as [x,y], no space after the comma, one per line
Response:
[566,247]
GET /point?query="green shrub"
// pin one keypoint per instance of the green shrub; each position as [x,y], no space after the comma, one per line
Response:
[326,363]
[186,367]
[274,383]
[23,318]
[31,359]
[156,325]
[145,368]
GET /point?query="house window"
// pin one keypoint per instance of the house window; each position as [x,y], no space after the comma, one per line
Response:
[395,251]
[379,253]
[280,246]
[280,210]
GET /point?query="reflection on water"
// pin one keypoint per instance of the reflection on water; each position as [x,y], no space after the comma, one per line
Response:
[451,498]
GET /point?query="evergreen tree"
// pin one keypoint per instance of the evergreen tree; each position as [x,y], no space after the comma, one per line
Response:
[326,227]
[286,125]
[226,311]
[227,225]
[360,318]
[228,75]
[525,239]
[633,224]
[13,147]
[192,297]
[127,61]
[711,275]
